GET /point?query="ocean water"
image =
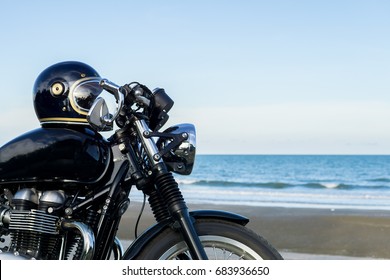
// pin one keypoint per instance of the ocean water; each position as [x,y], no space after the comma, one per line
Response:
[354,182]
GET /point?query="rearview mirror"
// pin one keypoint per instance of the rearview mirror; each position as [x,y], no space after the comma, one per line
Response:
[98,114]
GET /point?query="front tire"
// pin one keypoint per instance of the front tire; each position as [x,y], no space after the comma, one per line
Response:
[221,239]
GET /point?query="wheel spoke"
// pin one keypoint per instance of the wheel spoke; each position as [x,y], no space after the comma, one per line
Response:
[221,241]
[218,248]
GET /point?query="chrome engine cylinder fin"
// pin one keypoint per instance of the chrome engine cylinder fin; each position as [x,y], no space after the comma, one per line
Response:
[34,233]
[33,224]
[33,220]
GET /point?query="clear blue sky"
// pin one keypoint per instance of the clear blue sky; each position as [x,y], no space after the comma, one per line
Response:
[263,77]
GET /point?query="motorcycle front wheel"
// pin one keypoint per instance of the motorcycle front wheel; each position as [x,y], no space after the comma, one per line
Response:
[221,239]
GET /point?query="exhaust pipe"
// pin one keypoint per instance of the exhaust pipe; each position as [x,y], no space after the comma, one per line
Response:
[86,234]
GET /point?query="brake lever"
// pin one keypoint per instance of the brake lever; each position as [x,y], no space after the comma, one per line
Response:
[136,94]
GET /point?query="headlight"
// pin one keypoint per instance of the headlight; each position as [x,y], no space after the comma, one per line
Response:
[180,159]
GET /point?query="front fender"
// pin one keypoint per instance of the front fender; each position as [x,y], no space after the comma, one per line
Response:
[223,215]
[155,230]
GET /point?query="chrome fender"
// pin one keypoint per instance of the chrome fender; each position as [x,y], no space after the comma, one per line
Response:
[136,247]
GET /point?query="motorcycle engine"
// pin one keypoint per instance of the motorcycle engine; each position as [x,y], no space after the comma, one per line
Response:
[32,221]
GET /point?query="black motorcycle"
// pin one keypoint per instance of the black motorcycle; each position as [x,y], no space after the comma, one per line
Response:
[65,187]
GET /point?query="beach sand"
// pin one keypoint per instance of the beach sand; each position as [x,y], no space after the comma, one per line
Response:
[300,233]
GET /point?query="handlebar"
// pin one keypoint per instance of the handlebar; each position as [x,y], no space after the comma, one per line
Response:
[155,105]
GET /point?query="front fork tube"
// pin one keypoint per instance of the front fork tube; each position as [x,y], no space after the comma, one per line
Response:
[190,235]
[169,190]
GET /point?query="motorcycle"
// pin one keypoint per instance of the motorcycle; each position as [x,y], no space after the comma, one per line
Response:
[65,188]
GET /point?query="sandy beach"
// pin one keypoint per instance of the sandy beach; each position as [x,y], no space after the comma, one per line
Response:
[300,233]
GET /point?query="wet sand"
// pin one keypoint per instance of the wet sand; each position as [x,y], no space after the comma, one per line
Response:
[300,233]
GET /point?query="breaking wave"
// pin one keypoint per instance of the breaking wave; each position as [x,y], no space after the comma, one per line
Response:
[282,185]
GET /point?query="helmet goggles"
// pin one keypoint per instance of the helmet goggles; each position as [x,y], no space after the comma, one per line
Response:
[83,93]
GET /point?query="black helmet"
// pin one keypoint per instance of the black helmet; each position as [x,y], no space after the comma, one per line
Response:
[64,92]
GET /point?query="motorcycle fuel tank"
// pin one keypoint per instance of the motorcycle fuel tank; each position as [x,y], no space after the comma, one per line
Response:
[55,155]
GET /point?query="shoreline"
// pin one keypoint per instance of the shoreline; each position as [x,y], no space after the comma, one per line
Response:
[299,233]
